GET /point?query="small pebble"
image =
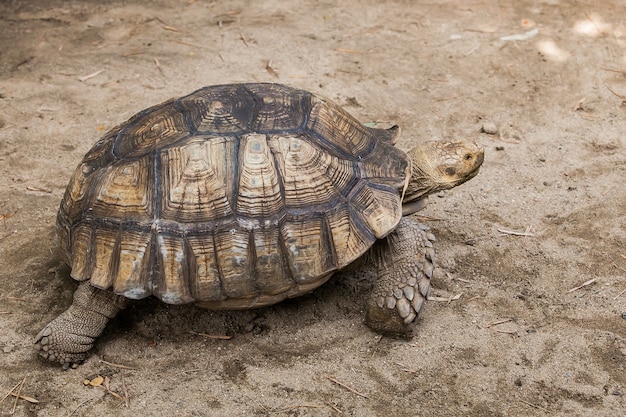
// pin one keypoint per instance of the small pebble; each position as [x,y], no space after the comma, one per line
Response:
[489,128]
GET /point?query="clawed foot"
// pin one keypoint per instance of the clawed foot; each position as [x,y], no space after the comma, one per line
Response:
[405,267]
[58,345]
[68,338]
[395,313]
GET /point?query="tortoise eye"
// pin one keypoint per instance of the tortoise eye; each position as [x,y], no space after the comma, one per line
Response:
[468,157]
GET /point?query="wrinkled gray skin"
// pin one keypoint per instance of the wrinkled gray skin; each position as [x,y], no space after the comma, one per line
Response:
[404,261]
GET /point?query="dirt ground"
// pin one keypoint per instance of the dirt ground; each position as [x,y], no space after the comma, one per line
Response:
[542,85]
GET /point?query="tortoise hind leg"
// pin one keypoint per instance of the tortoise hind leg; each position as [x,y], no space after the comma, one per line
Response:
[405,266]
[68,338]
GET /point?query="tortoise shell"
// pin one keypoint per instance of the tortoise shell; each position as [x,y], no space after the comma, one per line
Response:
[234,196]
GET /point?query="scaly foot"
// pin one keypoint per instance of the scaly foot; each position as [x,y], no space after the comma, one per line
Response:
[405,261]
[68,338]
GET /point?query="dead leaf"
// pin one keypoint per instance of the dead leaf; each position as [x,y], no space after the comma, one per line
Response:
[96,382]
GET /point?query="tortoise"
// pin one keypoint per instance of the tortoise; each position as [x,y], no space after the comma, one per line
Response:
[242,195]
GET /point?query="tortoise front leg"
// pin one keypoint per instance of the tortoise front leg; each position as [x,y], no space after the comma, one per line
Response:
[405,266]
[68,338]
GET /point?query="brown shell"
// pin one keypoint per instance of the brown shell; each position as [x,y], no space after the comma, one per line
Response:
[234,196]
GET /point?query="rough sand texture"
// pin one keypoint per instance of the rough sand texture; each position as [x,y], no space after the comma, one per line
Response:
[555,171]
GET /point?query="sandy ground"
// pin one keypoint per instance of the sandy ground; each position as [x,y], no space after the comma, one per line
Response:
[504,336]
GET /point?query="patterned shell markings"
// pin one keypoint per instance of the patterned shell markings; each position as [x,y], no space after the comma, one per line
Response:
[235,195]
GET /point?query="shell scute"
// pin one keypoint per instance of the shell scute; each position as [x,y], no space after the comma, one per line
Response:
[280,108]
[124,190]
[340,131]
[195,185]
[152,129]
[219,109]
[133,278]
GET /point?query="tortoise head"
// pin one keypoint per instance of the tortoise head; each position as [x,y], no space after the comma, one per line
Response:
[437,166]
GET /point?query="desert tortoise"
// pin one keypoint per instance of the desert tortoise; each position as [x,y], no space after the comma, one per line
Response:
[239,196]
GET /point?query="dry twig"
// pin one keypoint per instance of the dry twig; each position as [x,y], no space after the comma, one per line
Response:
[613,70]
[243,39]
[583,285]
[270,69]
[495,323]
[190,44]
[516,233]
[38,189]
[405,369]
[506,331]
[116,365]
[352,390]
[106,386]
[448,98]
[158,65]
[6,216]
[423,218]
[579,105]
[25,398]
[620,294]
[291,407]
[535,406]
[17,397]
[447,300]
[617,94]
[471,51]
[212,336]
[171,28]
[333,407]
[229,13]
[478,30]
[126,397]
[89,76]
[592,117]
[133,53]
[9,393]
[80,405]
